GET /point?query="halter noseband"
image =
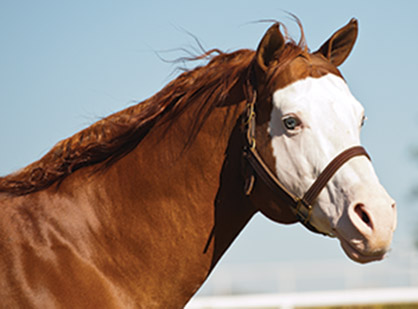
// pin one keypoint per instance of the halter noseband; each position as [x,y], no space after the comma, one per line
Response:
[301,206]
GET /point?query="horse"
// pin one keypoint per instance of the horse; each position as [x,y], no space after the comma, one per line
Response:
[136,210]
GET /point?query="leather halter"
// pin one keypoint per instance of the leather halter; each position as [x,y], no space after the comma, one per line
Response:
[301,206]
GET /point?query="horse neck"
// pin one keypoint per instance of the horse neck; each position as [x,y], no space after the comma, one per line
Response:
[181,206]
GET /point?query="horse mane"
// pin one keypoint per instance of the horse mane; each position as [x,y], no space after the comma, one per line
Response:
[113,137]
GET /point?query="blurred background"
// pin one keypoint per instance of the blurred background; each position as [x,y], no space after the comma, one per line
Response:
[64,65]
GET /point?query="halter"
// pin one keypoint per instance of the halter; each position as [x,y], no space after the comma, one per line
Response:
[301,206]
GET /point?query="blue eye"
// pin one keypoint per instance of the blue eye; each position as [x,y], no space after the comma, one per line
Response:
[291,122]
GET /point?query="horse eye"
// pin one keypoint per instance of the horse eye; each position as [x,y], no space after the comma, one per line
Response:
[291,122]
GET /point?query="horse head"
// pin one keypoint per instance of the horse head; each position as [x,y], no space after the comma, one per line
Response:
[305,117]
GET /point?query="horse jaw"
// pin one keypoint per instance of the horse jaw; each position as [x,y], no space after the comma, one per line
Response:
[354,206]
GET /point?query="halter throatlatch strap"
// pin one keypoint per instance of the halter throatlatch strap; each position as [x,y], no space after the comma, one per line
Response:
[303,206]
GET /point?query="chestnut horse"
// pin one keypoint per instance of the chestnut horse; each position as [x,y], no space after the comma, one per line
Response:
[137,209]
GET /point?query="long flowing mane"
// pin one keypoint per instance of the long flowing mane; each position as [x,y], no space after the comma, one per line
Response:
[111,138]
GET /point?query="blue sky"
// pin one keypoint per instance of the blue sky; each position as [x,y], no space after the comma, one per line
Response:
[63,65]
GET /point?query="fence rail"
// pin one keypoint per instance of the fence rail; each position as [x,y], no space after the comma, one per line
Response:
[311,299]
[400,270]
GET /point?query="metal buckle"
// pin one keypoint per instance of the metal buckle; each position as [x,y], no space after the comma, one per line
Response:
[304,212]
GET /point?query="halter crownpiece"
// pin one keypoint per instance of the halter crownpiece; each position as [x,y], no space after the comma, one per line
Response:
[301,206]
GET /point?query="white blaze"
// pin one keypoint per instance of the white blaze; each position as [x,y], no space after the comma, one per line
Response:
[330,122]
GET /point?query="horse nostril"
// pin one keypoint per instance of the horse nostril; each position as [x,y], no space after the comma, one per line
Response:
[363,215]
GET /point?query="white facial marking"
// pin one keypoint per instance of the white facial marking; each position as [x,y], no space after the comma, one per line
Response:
[312,121]
[329,121]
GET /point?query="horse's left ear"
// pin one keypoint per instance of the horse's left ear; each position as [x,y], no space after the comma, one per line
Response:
[340,44]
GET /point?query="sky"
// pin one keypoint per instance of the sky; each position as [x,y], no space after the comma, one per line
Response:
[64,65]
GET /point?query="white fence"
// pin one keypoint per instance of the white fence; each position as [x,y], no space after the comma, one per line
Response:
[400,270]
[309,299]
[288,285]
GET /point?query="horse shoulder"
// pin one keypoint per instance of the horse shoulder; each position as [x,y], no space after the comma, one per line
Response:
[41,262]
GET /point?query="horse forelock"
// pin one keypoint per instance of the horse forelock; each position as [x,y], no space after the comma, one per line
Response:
[295,62]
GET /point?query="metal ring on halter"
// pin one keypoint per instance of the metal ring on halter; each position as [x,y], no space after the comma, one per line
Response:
[252,142]
[300,213]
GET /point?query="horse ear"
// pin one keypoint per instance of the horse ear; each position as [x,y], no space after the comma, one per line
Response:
[271,44]
[340,44]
